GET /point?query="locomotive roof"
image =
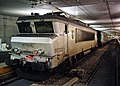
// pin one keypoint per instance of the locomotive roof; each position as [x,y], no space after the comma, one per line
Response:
[59,17]
[51,17]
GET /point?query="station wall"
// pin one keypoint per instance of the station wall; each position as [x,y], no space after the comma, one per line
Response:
[8,27]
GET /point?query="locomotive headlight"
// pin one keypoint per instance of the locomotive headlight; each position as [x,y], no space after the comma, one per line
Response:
[35,52]
[39,52]
[16,50]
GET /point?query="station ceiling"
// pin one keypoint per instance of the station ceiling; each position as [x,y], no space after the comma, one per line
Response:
[99,14]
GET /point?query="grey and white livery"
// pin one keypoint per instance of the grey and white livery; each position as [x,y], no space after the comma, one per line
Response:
[49,40]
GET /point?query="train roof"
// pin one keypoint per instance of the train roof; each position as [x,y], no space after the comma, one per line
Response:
[60,17]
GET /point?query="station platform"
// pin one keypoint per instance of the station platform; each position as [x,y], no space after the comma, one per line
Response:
[5,70]
[3,67]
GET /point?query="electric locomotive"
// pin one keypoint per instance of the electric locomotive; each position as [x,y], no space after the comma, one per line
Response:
[46,41]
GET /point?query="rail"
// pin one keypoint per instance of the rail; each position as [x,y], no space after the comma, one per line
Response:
[97,67]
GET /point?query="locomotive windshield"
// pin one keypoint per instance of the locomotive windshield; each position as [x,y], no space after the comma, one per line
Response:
[24,27]
[44,27]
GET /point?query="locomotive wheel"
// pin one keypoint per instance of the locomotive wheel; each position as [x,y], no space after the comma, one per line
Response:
[33,75]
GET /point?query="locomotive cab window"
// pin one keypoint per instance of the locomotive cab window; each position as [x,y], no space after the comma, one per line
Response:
[44,27]
[24,27]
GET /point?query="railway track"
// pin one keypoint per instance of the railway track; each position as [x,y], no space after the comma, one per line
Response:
[110,65]
[96,68]
[8,81]
[74,75]
[79,72]
[90,65]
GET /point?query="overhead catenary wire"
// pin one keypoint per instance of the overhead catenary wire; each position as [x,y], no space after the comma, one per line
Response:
[72,16]
[88,14]
[109,12]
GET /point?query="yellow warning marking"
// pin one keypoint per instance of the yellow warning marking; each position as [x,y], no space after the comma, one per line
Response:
[5,69]
[6,73]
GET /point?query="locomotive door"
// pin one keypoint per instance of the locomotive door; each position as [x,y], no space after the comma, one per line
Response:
[66,40]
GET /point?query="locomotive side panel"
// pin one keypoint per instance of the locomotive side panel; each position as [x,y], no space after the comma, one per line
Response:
[59,44]
[80,39]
